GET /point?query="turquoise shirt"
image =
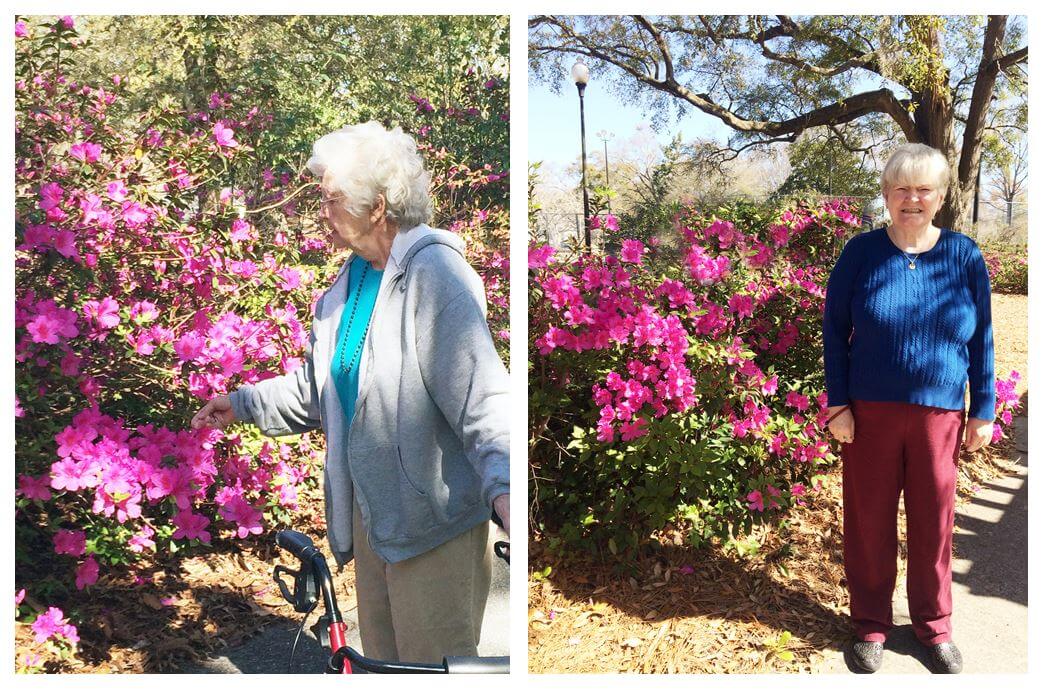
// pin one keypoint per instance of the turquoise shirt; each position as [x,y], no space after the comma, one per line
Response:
[364,282]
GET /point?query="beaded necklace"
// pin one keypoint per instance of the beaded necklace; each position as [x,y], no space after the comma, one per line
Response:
[348,327]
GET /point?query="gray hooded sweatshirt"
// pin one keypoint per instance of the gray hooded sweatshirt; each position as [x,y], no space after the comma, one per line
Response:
[427,450]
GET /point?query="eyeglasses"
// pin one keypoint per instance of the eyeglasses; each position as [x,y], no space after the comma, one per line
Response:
[327,200]
[921,192]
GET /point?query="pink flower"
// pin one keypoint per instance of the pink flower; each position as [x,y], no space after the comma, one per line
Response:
[142,540]
[49,327]
[47,624]
[87,573]
[633,430]
[86,152]
[67,22]
[52,623]
[686,570]
[742,305]
[72,542]
[796,400]
[105,314]
[34,488]
[50,196]
[21,31]
[538,256]
[632,251]
[290,278]
[755,501]
[247,519]
[144,311]
[191,526]
[65,244]
[20,596]
[241,231]
[223,136]
[134,214]
[117,190]
[189,346]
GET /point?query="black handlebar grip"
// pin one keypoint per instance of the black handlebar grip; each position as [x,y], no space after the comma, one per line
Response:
[295,542]
[472,664]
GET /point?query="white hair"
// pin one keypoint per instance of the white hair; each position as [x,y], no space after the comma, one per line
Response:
[915,164]
[367,160]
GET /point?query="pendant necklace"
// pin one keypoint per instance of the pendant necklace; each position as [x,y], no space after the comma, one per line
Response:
[910,258]
[348,327]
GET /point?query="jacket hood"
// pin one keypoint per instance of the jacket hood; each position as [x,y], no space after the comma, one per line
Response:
[428,237]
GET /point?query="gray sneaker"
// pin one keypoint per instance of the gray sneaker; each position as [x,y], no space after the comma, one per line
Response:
[868,656]
[946,658]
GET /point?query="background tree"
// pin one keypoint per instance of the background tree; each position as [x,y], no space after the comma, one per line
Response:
[314,73]
[1006,161]
[825,165]
[935,80]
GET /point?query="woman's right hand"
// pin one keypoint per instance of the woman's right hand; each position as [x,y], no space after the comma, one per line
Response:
[842,427]
[216,414]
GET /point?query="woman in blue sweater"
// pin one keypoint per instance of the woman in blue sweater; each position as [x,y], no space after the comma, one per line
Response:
[907,325]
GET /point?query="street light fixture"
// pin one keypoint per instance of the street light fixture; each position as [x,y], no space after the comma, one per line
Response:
[606,136]
[579,72]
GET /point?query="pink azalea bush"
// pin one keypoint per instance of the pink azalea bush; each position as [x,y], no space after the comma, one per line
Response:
[682,384]
[1007,267]
[159,263]
[465,145]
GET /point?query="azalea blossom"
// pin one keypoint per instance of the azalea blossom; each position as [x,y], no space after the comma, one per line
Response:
[191,526]
[71,542]
[85,151]
[223,136]
[34,488]
[87,573]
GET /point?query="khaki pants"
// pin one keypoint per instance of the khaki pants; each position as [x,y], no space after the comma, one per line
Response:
[424,608]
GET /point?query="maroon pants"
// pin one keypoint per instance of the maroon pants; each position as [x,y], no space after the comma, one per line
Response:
[915,449]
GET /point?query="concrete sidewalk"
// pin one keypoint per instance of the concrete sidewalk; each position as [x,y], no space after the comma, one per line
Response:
[990,584]
[269,651]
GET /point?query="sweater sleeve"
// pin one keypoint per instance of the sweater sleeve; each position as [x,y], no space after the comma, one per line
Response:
[288,404]
[467,380]
[837,326]
[982,345]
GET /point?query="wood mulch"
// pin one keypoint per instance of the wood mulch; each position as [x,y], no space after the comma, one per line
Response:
[713,610]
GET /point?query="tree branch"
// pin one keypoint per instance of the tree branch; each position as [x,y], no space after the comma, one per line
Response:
[1014,58]
[662,46]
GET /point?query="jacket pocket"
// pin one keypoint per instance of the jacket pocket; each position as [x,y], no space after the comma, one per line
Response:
[406,475]
[398,510]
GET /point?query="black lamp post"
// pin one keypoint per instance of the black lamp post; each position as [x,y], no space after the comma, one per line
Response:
[580,74]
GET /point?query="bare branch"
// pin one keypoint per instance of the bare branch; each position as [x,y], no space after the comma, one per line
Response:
[662,46]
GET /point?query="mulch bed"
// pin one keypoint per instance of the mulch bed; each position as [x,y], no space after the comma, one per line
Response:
[710,611]
[715,611]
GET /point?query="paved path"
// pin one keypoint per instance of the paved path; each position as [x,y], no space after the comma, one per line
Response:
[268,651]
[990,584]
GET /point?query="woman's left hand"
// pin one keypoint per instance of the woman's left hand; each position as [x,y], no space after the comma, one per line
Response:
[501,508]
[978,434]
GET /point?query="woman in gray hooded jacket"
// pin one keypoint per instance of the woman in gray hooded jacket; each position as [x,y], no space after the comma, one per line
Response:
[403,378]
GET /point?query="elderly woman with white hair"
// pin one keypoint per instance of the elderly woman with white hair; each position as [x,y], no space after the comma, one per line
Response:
[404,380]
[907,324]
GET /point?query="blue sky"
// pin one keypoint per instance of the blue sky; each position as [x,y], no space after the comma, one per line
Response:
[554,129]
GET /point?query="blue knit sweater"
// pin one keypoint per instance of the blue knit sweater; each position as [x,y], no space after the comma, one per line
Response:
[896,334]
